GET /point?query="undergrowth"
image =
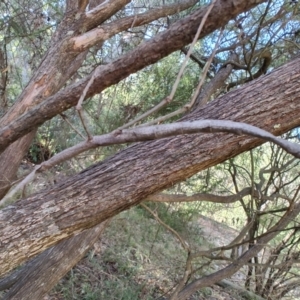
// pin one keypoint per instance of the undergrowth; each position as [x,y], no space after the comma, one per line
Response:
[136,258]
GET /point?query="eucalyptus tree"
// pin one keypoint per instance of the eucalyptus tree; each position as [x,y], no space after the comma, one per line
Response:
[76,50]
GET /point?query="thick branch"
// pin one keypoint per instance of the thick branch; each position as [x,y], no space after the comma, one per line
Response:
[102,12]
[270,92]
[157,132]
[199,197]
[178,35]
[106,31]
[33,224]
[30,281]
[214,84]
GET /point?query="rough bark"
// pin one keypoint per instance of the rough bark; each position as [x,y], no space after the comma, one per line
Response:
[58,65]
[177,36]
[26,283]
[30,281]
[44,84]
[31,225]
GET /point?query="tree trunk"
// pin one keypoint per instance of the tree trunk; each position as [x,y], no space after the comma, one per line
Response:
[31,225]
[57,67]
[10,160]
[30,282]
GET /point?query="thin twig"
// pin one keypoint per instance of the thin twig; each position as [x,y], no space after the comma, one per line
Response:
[175,86]
[140,134]
[188,106]
[79,104]
[80,113]
[65,118]
[205,70]
[183,243]
[169,98]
